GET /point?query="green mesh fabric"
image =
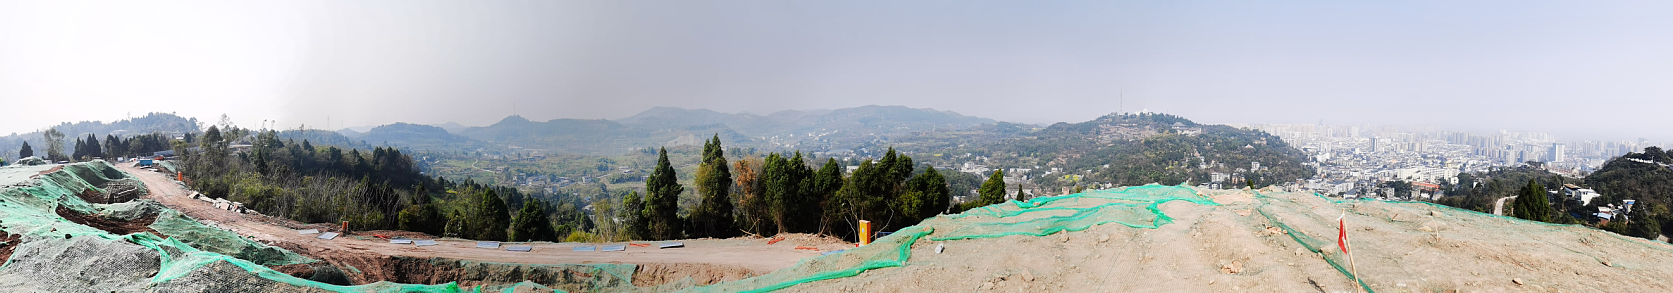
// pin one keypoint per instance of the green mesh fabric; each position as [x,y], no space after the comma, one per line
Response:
[179,227]
[1131,206]
[28,205]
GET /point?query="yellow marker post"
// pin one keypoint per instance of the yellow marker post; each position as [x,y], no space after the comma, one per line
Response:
[865,232]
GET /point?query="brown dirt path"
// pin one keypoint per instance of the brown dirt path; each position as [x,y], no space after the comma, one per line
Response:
[751,254]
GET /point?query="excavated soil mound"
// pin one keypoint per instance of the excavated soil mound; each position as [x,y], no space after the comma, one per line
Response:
[651,275]
[114,226]
[8,244]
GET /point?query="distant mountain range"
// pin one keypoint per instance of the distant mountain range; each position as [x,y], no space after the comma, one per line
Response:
[669,126]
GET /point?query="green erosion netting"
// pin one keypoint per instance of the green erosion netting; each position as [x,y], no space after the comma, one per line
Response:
[180,227]
[27,207]
[1132,206]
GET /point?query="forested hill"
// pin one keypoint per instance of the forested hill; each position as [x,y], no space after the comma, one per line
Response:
[785,123]
[1643,176]
[1127,150]
[165,123]
[815,130]
[1130,150]
[593,137]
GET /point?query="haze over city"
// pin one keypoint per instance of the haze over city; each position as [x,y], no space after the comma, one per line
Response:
[1576,70]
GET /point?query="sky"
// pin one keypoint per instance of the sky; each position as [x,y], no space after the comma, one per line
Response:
[1576,69]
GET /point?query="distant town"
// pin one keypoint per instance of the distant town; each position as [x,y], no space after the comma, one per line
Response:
[1352,160]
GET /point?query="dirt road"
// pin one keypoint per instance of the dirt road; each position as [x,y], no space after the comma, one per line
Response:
[752,254]
[1499,205]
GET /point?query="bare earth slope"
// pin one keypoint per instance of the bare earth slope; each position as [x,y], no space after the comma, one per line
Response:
[1271,242]
[706,260]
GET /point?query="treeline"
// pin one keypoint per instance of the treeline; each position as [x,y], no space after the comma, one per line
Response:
[379,189]
[784,193]
[1624,178]
[91,147]
[117,147]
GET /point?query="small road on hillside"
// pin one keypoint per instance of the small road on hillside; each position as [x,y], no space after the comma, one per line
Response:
[754,254]
[1499,205]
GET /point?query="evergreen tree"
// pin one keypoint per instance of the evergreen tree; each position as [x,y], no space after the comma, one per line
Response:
[1021,196]
[993,190]
[662,192]
[491,218]
[26,151]
[424,218]
[926,194]
[1641,223]
[713,216]
[211,137]
[531,223]
[826,183]
[780,186]
[632,213]
[456,225]
[1531,203]
[80,150]
[93,148]
[114,147]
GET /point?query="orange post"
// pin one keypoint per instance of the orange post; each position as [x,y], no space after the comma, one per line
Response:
[865,232]
[345,227]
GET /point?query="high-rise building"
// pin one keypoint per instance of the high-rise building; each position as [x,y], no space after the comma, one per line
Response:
[1556,154]
[1373,144]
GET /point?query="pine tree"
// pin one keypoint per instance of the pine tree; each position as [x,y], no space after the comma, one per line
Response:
[491,218]
[1641,223]
[929,194]
[662,192]
[80,151]
[1531,203]
[26,151]
[826,183]
[531,223]
[993,190]
[713,216]
[1021,196]
[93,147]
[632,213]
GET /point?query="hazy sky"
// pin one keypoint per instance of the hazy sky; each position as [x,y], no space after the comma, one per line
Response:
[1570,68]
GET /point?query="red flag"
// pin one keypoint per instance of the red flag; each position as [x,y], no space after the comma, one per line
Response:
[1342,228]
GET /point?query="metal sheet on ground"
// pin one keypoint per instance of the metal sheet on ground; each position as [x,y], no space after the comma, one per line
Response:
[424,242]
[584,248]
[487,244]
[328,235]
[400,241]
[614,248]
[519,248]
[675,244]
[306,232]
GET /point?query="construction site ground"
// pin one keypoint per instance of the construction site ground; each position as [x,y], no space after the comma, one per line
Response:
[704,260]
[1248,241]
[1137,239]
